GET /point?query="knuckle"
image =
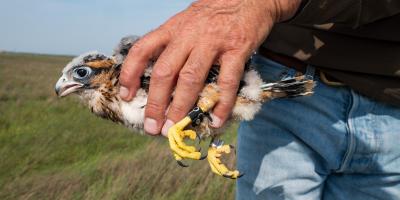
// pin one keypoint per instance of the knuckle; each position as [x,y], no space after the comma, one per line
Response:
[225,103]
[228,83]
[154,109]
[138,49]
[190,76]
[125,76]
[241,38]
[244,41]
[165,29]
[224,108]
[178,110]
[163,71]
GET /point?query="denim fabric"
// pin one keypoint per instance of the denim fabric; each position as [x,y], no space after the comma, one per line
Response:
[335,144]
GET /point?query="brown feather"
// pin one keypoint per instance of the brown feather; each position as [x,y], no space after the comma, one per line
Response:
[107,63]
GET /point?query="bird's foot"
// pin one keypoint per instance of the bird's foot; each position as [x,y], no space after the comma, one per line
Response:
[215,151]
[176,136]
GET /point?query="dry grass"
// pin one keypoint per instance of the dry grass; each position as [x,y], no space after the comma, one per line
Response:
[56,149]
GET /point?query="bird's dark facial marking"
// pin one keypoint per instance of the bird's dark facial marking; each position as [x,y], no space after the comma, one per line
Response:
[86,75]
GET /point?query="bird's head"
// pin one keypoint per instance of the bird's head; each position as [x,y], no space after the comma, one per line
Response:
[86,72]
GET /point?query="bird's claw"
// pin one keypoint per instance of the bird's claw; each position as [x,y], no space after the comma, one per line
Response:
[176,136]
[215,151]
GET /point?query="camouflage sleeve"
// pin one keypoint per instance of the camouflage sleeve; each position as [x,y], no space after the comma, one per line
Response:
[352,13]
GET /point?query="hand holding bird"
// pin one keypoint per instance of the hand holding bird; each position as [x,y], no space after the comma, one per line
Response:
[226,32]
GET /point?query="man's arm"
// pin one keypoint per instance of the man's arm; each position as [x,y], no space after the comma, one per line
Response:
[208,31]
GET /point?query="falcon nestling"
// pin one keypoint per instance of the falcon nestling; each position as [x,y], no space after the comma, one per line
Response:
[94,77]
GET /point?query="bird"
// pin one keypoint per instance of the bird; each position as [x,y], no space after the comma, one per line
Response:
[94,77]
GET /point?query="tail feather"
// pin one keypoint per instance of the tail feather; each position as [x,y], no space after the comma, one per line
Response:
[294,87]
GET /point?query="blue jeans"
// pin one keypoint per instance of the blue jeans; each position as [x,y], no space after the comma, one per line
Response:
[335,144]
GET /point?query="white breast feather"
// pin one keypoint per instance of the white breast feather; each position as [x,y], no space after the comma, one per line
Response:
[133,111]
[252,90]
[246,111]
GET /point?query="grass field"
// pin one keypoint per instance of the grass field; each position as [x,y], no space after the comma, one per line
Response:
[54,148]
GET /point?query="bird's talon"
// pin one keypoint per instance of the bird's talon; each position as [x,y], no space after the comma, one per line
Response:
[228,176]
[180,163]
[232,176]
[203,157]
[198,138]
[233,147]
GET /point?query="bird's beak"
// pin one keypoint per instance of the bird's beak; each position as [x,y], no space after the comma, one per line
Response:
[65,87]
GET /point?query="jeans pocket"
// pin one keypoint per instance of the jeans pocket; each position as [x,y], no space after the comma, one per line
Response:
[269,70]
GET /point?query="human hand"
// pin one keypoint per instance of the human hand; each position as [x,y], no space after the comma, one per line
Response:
[207,32]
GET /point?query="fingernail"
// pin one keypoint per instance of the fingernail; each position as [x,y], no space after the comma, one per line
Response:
[216,121]
[166,126]
[150,126]
[123,92]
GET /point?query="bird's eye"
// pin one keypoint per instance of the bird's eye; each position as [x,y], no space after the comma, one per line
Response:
[82,72]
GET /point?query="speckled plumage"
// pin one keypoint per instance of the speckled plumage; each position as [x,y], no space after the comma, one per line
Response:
[99,91]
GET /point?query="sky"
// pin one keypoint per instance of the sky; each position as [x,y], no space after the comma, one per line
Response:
[71,27]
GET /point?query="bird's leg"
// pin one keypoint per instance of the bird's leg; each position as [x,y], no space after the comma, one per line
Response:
[215,151]
[177,133]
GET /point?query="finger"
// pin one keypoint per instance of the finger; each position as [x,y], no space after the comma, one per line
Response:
[137,60]
[162,82]
[191,82]
[232,67]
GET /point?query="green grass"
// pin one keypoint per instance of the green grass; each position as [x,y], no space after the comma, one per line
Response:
[54,148]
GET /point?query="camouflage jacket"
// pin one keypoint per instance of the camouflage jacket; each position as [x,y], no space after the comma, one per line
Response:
[354,41]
